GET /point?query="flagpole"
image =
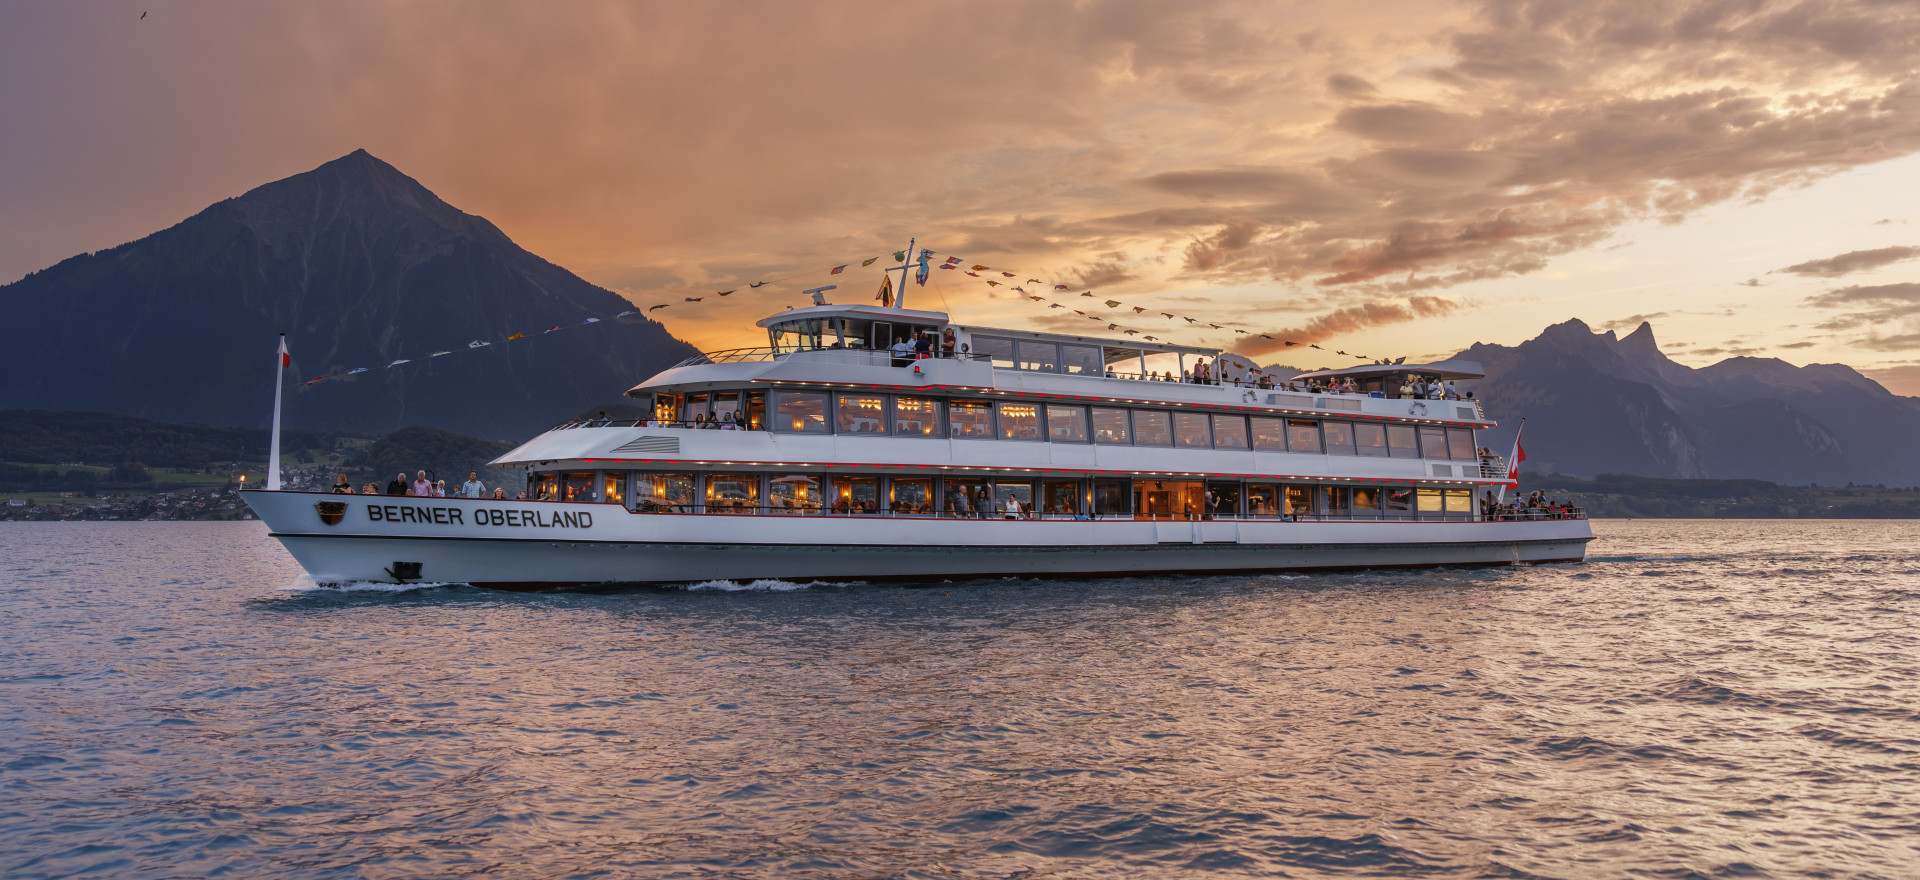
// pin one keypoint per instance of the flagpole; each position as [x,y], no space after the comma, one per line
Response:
[273,445]
[900,296]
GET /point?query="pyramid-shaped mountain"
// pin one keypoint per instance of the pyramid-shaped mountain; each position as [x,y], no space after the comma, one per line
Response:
[359,265]
[1598,404]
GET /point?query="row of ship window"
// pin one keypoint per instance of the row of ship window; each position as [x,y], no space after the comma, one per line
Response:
[995,497]
[818,412]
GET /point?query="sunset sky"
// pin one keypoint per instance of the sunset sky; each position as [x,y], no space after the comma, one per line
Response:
[1393,178]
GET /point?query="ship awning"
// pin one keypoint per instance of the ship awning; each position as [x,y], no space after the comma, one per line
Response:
[1454,369]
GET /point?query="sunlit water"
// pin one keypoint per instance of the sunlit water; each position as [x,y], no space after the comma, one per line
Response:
[1712,699]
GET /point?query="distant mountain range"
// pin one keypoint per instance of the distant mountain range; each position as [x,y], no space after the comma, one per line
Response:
[1596,404]
[360,265]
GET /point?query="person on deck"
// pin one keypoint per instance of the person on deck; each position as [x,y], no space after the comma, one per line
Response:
[902,352]
[398,486]
[422,487]
[341,486]
[473,488]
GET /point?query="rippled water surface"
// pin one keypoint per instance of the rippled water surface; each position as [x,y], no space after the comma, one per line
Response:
[1711,699]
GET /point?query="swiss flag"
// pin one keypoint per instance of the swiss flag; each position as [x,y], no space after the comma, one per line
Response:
[1513,461]
[286,360]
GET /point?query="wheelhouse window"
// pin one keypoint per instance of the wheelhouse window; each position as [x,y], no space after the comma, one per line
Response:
[997,349]
[1269,435]
[860,414]
[1080,360]
[1339,437]
[1110,426]
[916,417]
[733,492]
[1370,440]
[1303,435]
[1460,444]
[1019,421]
[970,418]
[1229,432]
[1401,442]
[1066,424]
[795,494]
[1151,428]
[800,411]
[1190,429]
[1038,357]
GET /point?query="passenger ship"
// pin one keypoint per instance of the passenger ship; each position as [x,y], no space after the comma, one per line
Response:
[826,457]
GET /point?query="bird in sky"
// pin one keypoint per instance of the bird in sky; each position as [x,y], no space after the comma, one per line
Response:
[143,15]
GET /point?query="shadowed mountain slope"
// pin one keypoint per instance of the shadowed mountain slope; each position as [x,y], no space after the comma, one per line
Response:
[360,265]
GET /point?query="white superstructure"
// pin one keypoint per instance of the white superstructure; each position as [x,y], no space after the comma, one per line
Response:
[833,454]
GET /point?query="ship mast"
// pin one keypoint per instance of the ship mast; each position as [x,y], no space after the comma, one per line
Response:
[900,293]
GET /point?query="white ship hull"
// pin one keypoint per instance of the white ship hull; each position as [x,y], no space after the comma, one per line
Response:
[536,545]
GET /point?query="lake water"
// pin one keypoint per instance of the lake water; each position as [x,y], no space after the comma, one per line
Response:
[1702,699]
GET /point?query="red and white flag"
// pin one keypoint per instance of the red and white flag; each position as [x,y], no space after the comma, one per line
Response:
[286,360]
[1513,461]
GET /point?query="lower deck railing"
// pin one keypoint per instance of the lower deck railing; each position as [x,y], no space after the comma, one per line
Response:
[1381,516]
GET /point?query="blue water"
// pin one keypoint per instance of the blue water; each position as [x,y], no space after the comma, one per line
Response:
[1703,699]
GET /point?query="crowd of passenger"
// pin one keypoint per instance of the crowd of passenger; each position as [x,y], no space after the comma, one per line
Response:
[421,486]
[1535,506]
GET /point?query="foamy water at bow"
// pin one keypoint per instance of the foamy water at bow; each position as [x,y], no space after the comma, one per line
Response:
[1712,699]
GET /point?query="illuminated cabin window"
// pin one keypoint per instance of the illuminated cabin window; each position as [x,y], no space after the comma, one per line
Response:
[916,416]
[613,487]
[1151,429]
[1190,429]
[1110,426]
[1229,432]
[731,492]
[1303,436]
[1067,424]
[970,418]
[861,414]
[795,494]
[664,493]
[802,411]
[911,494]
[1019,421]
[1269,435]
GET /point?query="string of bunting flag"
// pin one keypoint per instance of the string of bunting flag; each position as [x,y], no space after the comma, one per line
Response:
[1041,292]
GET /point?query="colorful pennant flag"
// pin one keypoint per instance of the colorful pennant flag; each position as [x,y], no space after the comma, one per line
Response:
[838,269]
[1113,303]
[886,291]
[759,284]
[865,263]
[516,336]
[979,268]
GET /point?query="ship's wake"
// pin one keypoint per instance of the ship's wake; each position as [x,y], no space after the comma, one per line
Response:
[764,585]
[305,583]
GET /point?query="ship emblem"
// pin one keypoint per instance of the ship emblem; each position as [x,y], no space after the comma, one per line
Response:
[331,512]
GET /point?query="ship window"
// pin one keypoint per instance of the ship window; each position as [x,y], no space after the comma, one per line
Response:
[1431,501]
[1398,501]
[576,487]
[663,493]
[1060,497]
[860,414]
[544,487]
[1067,424]
[1339,437]
[803,411]
[1460,444]
[1229,432]
[856,494]
[1336,500]
[911,494]
[1299,501]
[1124,362]
[1370,440]
[995,348]
[967,498]
[1039,357]
[1303,435]
[733,492]
[1080,360]
[665,405]
[725,404]
[1011,499]
[1110,426]
[1150,428]
[694,406]
[1110,498]
[916,416]
[1263,499]
[970,418]
[1433,442]
[1268,434]
[1168,499]
[1190,429]
[794,494]
[613,487]
[1019,421]
[1459,500]
[1223,499]
[1401,442]
[1366,500]
[757,410]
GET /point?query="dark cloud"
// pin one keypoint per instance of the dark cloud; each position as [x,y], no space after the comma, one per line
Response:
[1853,261]
[1634,321]
[1348,320]
[1351,86]
[1405,123]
